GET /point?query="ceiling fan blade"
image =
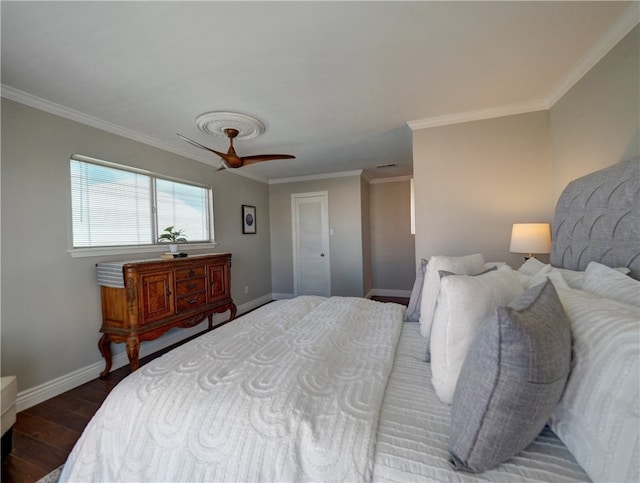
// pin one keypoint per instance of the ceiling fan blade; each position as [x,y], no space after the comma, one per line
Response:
[201,146]
[224,165]
[231,159]
[195,143]
[258,158]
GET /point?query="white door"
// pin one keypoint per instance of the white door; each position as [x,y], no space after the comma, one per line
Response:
[310,221]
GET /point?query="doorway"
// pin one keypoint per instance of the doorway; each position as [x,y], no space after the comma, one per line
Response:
[311,258]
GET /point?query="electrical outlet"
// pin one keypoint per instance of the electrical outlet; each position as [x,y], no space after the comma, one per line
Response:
[246,289]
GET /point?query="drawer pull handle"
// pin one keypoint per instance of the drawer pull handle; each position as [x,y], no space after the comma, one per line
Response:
[168,292]
[191,273]
[193,300]
[191,286]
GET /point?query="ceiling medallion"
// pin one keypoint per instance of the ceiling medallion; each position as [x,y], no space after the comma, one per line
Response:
[216,122]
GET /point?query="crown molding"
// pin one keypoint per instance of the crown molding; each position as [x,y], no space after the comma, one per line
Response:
[625,23]
[313,177]
[391,179]
[59,110]
[479,115]
[77,116]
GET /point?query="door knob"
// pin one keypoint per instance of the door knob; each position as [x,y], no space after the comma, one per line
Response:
[322,254]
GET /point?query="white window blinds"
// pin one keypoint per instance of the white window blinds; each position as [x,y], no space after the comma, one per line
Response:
[112,206]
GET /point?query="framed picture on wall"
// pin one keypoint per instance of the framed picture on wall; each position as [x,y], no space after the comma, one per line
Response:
[249,219]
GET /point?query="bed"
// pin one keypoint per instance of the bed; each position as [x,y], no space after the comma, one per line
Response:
[337,389]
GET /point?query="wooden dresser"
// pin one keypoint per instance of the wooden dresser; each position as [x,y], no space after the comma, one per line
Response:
[156,295]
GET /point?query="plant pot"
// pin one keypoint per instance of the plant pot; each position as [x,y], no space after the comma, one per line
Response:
[173,247]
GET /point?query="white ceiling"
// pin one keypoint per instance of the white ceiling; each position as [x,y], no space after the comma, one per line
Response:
[335,83]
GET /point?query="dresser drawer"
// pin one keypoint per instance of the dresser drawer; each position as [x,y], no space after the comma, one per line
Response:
[193,272]
[188,286]
[191,301]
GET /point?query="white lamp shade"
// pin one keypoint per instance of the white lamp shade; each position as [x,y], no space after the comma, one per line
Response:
[530,238]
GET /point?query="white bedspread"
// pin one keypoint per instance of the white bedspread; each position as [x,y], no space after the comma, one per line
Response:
[290,392]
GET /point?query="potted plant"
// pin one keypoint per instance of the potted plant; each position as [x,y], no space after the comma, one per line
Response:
[173,237]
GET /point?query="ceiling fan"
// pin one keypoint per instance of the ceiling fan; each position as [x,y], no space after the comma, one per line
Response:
[232,125]
[230,159]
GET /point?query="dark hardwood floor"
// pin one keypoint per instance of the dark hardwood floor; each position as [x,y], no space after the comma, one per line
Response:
[395,300]
[45,434]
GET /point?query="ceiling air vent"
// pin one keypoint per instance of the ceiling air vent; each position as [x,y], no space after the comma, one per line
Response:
[390,165]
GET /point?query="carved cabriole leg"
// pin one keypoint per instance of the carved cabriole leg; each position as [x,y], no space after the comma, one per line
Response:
[133,349]
[233,309]
[104,344]
[210,321]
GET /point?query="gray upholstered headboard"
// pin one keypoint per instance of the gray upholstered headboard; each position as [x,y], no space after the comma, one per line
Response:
[597,218]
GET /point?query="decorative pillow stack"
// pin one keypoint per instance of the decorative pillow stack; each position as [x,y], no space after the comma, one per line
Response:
[598,417]
[467,265]
[533,272]
[464,305]
[511,380]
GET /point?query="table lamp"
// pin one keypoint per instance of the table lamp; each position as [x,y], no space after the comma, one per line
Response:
[530,238]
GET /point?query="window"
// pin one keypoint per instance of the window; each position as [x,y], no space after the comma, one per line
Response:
[113,205]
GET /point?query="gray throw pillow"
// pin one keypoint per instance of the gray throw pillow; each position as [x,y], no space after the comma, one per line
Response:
[413,310]
[511,380]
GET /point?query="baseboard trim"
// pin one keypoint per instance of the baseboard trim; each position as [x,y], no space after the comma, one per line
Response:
[282,296]
[254,304]
[55,387]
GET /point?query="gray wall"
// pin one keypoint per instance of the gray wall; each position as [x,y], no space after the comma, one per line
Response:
[51,302]
[595,124]
[392,244]
[346,245]
[473,180]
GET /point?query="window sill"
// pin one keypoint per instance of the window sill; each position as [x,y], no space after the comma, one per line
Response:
[134,250]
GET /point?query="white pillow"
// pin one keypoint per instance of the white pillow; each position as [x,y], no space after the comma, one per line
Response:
[558,280]
[598,417]
[532,272]
[467,265]
[489,265]
[574,278]
[610,283]
[464,304]
[531,266]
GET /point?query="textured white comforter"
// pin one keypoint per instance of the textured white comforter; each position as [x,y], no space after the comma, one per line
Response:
[290,392]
